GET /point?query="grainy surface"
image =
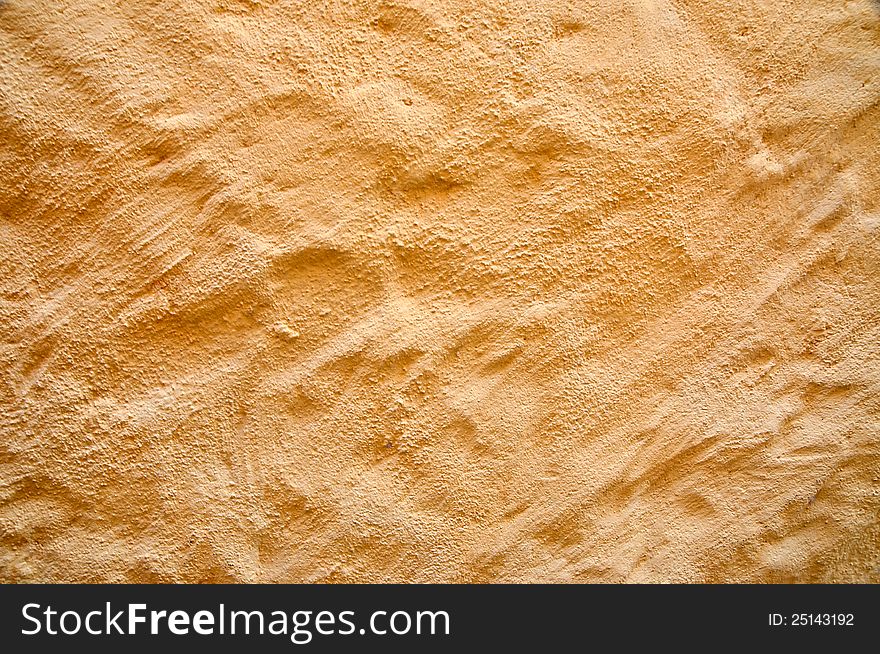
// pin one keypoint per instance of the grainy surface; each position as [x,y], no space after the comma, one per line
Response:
[440,291]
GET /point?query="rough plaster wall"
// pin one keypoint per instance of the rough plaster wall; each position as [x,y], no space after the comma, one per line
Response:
[440,291]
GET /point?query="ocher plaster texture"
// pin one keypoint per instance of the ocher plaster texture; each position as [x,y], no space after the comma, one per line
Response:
[451,290]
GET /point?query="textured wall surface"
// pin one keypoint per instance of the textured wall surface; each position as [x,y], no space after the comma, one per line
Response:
[452,290]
